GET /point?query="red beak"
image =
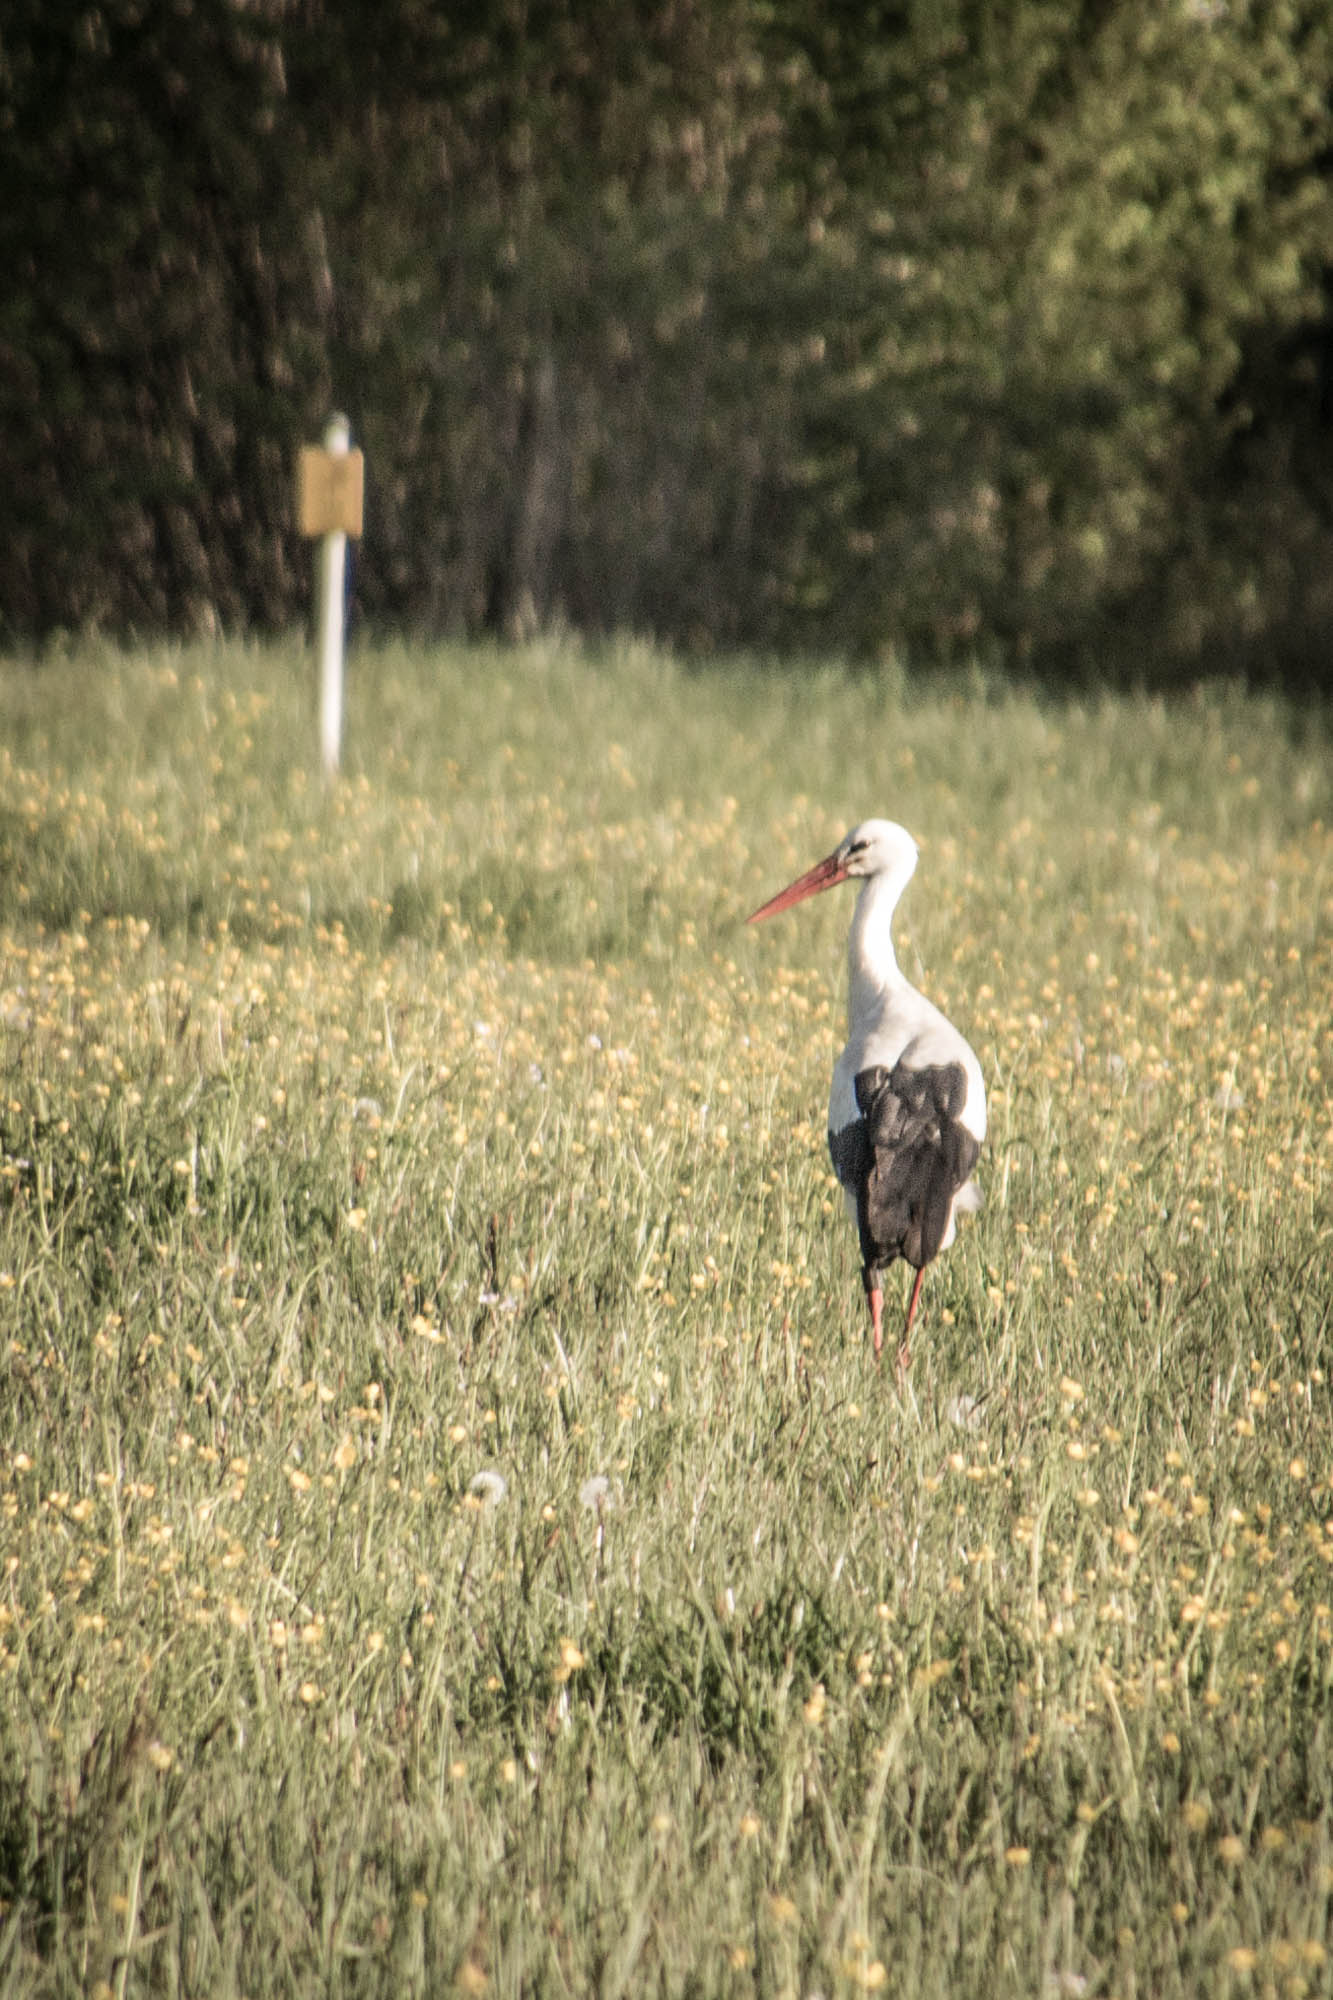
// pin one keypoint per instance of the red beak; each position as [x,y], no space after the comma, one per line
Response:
[825,874]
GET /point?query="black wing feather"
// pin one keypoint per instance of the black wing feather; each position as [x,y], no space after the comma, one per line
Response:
[914,1155]
[850,1153]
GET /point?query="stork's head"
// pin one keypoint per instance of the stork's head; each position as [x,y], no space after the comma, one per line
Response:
[875,847]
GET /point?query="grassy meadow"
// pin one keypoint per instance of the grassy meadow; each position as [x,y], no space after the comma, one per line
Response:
[453,1533]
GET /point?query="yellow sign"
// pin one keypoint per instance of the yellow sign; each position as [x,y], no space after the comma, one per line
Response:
[330,487]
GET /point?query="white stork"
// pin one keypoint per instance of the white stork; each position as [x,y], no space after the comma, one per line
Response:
[907,1111]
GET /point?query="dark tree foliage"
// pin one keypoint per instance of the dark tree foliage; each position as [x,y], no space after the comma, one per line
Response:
[843,327]
[160,337]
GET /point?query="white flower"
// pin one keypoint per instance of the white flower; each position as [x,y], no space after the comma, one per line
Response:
[595,1493]
[488,1486]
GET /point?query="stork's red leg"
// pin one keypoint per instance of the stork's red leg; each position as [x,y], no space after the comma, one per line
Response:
[904,1351]
[875,1301]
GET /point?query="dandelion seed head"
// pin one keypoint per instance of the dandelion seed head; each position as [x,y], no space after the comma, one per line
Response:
[488,1486]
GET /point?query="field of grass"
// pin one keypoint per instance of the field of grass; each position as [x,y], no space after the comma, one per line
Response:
[453,1533]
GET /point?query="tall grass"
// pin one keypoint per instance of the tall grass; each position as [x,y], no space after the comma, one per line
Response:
[452,1529]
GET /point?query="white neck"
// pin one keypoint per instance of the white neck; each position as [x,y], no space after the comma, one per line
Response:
[872,965]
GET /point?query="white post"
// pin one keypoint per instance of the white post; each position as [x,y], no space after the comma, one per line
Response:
[332,588]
